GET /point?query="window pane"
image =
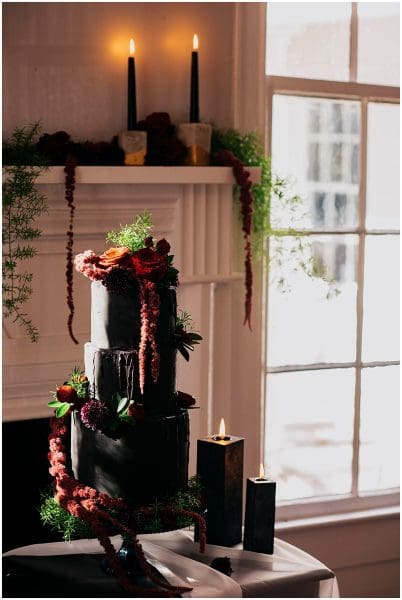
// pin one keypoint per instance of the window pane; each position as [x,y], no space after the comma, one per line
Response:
[308,432]
[381,299]
[383,166]
[378,43]
[308,39]
[304,326]
[379,429]
[315,145]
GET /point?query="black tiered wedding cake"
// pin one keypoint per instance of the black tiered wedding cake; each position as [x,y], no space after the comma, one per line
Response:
[130,435]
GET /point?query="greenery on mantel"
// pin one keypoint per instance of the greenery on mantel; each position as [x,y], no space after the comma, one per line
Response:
[22,205]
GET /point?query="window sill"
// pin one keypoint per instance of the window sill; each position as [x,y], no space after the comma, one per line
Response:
[337,519]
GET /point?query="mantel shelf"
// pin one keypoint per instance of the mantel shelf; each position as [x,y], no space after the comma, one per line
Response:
[147,175]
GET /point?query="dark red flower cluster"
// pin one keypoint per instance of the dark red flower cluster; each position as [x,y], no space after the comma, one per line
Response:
[94,508]
[242,176]
[163,146]
[94,414]
[69,170]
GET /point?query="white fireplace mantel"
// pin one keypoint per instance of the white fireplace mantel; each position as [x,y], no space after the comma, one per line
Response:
[147,175]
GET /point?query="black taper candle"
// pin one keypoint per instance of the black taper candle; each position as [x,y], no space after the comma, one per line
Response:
[194,91]
[131,95]
[259,523]
[220,468]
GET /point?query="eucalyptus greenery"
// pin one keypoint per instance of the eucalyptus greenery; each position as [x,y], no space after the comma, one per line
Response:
[22,205]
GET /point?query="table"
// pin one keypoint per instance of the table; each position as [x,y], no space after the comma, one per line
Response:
[61,570]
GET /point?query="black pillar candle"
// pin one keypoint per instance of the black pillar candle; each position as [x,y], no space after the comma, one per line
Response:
[220,468]
[194,92]
[131,95]
[259,524]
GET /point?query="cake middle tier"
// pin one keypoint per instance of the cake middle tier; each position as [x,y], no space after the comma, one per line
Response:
[112,372]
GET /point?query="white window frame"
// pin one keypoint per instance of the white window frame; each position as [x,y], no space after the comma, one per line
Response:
[364,94]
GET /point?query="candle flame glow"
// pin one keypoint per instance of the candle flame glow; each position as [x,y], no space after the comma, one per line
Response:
[222,430]
[132,47]
[195,42]
[262,472]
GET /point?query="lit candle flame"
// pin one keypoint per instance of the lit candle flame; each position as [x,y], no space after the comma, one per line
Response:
[222,430]
[132,47]
[262,472]
[195,42]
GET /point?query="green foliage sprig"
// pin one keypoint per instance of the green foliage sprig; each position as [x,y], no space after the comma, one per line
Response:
[22,205]
[249,149]
[60,520]
[132,236]
[185,337]
[291,246]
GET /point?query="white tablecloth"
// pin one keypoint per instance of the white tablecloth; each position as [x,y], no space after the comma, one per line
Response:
[288,573]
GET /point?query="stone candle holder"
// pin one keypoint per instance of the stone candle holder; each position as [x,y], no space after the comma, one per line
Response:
[134,145]
[197,139]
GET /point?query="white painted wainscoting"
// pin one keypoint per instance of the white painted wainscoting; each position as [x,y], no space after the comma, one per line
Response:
[193,209]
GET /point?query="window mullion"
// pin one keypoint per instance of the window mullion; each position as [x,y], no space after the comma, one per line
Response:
[360,291]
[353,49]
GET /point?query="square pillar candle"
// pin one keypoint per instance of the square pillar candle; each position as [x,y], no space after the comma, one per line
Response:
[259,524]
[220,469]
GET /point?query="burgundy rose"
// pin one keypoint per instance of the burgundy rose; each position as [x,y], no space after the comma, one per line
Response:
[149,264]
[149,241]
[163,247]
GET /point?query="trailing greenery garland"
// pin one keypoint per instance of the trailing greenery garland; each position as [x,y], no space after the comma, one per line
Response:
[249,149]
[22,205]
[297,249]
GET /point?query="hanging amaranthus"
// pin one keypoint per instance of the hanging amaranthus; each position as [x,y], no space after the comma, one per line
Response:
[242,177]
[69,170]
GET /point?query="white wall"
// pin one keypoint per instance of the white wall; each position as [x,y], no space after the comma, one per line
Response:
[66,63]
[362,550]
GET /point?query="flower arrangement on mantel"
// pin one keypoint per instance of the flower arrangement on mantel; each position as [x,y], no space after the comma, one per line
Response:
[229,148]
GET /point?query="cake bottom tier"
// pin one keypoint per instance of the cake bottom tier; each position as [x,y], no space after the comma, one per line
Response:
[150,463]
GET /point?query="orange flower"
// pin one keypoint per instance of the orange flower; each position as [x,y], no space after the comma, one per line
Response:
[113,256]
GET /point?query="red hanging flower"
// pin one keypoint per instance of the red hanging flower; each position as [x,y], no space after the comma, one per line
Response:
[242,177]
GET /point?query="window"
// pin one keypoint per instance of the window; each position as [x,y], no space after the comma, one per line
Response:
[332,388]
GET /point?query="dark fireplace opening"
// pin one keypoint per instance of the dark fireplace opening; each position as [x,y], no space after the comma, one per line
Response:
[25,476]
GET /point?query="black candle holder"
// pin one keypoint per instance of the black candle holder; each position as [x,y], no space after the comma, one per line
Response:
[259,524]
[220,468]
